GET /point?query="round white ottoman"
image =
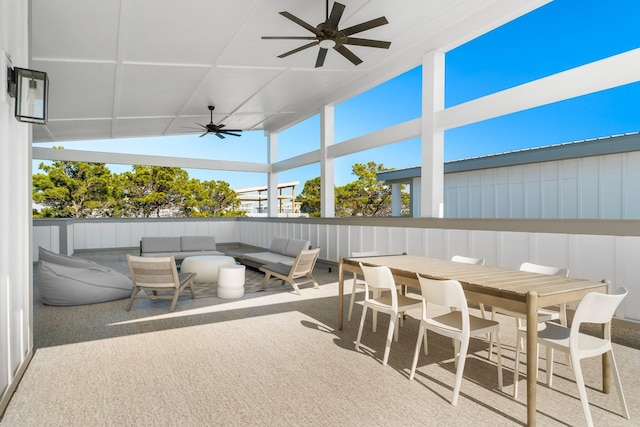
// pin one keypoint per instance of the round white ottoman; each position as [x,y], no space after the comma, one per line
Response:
[205,267]
[231,281]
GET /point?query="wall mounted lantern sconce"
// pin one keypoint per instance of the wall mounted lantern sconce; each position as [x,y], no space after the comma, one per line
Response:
[30,88]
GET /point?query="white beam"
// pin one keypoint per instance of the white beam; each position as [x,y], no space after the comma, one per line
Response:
[600,75]
[391,135]
[297,162]
[140,159]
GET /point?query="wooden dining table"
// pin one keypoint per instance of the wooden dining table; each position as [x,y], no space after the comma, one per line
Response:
[514,290]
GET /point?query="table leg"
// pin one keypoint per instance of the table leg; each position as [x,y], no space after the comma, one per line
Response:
[340,296]
[532,362]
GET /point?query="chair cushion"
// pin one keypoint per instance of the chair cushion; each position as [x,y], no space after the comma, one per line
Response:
[70,261]
[294,246]
[160,244]
[279,268]
[197,243]
[278,245]
[63,285]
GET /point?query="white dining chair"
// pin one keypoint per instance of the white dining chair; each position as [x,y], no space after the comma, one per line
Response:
[595,308]
[473,261]
[388,300]
[457,324]
[356,283]
[544,314]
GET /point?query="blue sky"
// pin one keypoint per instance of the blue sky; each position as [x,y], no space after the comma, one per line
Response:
[561,35]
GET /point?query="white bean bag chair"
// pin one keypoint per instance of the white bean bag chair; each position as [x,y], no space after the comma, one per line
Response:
[64,280]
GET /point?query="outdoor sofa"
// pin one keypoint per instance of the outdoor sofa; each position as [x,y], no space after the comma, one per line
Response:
[180,247]
[282,250]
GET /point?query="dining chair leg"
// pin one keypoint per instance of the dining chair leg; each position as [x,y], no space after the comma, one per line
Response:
[390,334]
[618,384]
[464,346]
[353,296]
[577,371]
[549,366]
[362,318]
[421,334]
[499,351]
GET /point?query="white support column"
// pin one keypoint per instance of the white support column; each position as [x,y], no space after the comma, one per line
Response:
[327,173]
[396,200]
[272,177]
[432,181]
[415,197]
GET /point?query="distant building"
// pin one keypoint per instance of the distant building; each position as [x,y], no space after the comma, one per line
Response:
[590,179]
[255,203]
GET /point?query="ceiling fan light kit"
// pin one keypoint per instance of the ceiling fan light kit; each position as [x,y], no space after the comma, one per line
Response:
[327,35]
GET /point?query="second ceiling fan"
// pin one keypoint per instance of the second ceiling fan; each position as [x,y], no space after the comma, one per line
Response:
[327,35]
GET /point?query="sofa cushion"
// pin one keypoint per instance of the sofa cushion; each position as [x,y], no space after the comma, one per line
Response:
[197,243]
[55,258]
[278,245]
[160,244]
[267,258]
[63,285]
[294,246]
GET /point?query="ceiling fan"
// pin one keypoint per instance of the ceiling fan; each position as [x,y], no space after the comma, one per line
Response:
[217,129]
[327,35]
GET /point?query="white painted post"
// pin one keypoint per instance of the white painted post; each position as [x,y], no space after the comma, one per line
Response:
[272,177]
[396,200]
[432,180]
[327,173]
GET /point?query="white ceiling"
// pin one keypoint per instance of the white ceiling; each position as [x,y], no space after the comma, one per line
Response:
[134,68]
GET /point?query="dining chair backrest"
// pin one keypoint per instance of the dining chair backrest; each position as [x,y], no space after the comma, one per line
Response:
[445,293]
[467,260]
[543,269]
[379,278]
[596,308]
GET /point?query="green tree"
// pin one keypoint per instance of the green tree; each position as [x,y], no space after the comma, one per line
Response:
[309,198]
[154,190]
[210,198]
[366,196]
[73,190]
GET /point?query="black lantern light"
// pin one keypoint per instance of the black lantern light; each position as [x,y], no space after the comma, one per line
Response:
[30,89]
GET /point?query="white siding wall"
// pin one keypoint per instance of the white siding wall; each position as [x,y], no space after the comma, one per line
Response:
[16,341]
[600,187]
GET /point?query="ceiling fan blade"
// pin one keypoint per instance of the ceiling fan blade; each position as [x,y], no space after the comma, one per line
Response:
[231,133]
[336,13]
[291,52]
[322,54]
[231,130]
[219,135]
[365,26]
[204,134]
[367,42]
[348,54]
[300,22]
[289,38]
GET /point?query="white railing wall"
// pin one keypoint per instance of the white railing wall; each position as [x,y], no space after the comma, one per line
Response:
[590,249]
